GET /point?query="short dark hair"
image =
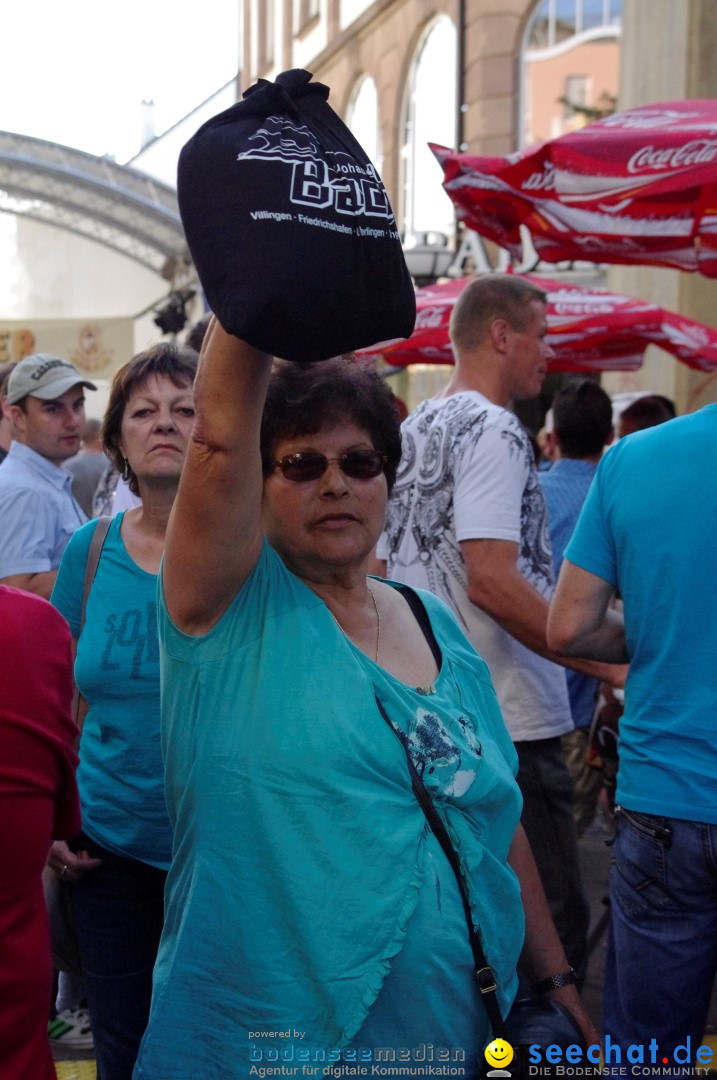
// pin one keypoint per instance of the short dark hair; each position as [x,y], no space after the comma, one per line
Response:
[582,418]
[303,398]
[667,402]
[493,296]
[176,363]
[648,411]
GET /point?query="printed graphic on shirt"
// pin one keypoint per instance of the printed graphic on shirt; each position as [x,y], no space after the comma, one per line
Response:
[131,640]
[536,559]
[420,521]
[447,758]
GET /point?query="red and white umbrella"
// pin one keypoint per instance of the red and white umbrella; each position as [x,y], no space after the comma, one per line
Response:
[638,187]
[590,330]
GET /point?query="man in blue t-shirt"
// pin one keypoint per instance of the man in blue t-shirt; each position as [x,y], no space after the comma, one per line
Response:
[582,428]
[648,528]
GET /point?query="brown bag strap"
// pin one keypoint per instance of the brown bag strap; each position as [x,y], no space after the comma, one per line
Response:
[93,558]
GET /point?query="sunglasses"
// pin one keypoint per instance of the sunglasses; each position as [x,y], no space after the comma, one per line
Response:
[309,465]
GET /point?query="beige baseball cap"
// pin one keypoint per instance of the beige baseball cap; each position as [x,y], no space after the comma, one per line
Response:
[44,376]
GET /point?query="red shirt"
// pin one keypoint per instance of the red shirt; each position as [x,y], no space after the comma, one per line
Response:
[38,804]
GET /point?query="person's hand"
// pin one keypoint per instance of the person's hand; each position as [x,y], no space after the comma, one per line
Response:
[616,674]
[70,865]
[570,998]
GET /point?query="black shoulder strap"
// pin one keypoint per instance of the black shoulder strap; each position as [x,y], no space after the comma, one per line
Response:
[483,971]
[421,615]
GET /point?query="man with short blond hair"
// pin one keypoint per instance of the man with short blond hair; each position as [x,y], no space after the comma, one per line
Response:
[38,513]
[466,520]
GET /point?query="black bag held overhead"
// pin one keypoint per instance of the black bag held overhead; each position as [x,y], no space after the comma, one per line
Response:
[290,227]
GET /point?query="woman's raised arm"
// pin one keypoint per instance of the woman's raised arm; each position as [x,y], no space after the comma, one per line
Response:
[214,535]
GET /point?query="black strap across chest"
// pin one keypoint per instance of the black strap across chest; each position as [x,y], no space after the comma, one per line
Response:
[421,615]
[483,971]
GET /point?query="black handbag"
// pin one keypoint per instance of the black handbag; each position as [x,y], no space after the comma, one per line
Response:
[531,1021]
[290,227]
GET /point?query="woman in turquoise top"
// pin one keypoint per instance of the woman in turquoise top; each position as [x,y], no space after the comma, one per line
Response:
[119,862]
[311,917]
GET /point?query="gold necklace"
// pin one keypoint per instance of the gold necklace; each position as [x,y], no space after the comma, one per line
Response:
[378,623]
[425,690]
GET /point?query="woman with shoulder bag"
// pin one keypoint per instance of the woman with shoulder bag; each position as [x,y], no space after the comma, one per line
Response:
[118,863]
[307,895]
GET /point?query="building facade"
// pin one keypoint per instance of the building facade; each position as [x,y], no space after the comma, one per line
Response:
[490,77]
[473,74]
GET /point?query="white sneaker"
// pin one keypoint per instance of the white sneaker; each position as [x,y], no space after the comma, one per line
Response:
[71,1028]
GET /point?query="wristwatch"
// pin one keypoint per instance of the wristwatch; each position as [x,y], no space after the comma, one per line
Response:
[554,982]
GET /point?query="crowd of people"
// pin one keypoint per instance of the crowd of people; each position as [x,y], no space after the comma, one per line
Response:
[303,605]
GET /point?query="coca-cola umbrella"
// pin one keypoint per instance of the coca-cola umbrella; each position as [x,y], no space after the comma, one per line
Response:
[638,187]
[590,330]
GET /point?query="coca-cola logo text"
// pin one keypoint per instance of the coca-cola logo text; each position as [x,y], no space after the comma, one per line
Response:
[543,180]
[429,317]
[587,307]
[695,152]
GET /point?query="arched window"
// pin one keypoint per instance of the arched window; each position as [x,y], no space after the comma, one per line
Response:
[429,115]
[362,119]
[570,66]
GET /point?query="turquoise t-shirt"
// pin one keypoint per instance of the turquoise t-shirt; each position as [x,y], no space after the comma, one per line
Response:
[121,773]
[301,866]
[649,527]
[431,986]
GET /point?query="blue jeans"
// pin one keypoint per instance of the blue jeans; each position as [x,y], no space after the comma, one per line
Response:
[119,911]
[662,948]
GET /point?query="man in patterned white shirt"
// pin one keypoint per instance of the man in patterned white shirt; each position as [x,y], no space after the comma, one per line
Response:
[467,521]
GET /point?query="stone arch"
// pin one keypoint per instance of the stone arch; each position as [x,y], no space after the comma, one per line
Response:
[112,204]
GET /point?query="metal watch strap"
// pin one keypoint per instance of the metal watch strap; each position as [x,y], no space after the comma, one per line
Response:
[554,982]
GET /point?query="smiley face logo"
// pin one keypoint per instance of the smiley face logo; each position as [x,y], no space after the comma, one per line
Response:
[499,1053]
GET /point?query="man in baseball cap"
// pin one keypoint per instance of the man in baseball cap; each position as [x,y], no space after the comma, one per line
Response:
[38,513]
[43,376]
